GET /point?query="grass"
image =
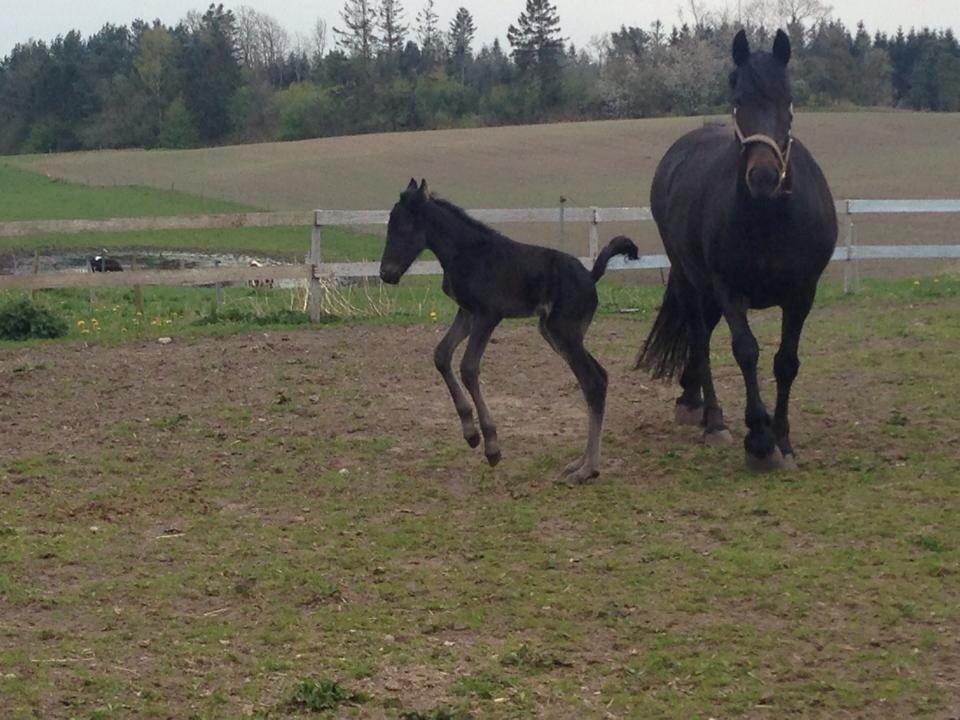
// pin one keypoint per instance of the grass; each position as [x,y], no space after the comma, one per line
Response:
[225,546]
[29,196]
[34,196]
[110,314]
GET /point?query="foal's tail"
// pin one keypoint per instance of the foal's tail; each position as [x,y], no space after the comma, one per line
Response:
[667,348]
[620,245]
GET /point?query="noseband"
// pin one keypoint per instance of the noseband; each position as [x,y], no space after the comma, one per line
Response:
[782,154]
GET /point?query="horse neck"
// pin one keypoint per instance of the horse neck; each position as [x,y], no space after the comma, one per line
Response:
[447,235]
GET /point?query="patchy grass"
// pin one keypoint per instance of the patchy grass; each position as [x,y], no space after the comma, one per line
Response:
[192,530]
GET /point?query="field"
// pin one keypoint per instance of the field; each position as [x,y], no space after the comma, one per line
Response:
[266,520]
[259,525]
[608,164]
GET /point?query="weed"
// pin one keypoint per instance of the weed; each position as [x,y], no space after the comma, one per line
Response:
[321,695]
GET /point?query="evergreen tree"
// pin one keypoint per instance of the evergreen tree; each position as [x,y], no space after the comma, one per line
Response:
[211,71]
[462,31]
[358,38]
[538,46]
[392,30]
[431,39]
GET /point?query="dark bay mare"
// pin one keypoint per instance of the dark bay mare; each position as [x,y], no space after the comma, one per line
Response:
[748,221]
[492,277]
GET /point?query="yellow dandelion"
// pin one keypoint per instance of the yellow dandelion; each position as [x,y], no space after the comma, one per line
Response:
[433,315]
[81,324]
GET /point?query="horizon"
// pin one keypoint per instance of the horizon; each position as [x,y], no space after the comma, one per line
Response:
[35,23]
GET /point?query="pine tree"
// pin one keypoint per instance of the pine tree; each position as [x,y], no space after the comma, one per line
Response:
[428,32]
[359,37]
[538,45]
[392,30]
[462,31]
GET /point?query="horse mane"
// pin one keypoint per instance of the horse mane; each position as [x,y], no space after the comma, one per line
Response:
[460,215]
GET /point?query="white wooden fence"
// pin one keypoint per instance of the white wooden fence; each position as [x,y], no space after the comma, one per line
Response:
[314,270]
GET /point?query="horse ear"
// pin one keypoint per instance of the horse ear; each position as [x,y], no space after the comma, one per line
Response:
[412,185]
[424,192]
[781,47]
[741,48]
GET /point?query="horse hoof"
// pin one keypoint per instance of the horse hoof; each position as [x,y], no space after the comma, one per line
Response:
[493,458]
[472,440]
[771,463]
[574,466]
[686,415]
[578,477]
[789,462]
[718,438]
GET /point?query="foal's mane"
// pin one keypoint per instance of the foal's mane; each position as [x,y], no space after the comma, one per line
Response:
[460,215]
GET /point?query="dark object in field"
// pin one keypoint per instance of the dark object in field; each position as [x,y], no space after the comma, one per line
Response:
[748,221]
[101,263]
[491,277]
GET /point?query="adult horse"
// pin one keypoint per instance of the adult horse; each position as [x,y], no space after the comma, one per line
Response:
[748,221]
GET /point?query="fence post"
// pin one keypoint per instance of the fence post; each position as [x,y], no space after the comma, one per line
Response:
[563,203]
[313,284]
[594,233]
[219,286]
[850,270]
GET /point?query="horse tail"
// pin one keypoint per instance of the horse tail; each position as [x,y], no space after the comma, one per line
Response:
[620,245]
[667,348]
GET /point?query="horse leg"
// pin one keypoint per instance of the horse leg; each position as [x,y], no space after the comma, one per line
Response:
[715,430]
[702,315]
[760,443]
[689,407]
[441,358]
[567,339]
[786,365]
[480,332]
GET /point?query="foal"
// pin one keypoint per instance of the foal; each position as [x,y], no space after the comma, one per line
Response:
[491,277]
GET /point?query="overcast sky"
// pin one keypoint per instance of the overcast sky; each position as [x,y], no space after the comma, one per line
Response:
[580,19]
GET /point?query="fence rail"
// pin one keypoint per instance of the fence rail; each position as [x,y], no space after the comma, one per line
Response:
[314,270]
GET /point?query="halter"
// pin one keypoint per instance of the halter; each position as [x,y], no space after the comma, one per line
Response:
[783,155]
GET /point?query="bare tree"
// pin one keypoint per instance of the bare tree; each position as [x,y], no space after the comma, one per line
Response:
[806,12]
[318,40]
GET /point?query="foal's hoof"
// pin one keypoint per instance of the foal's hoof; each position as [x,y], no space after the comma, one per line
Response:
[718,438]
[771,463]
[473,439]
[686,415]
[493,458]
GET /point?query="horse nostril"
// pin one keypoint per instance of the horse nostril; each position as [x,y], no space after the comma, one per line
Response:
[763,178]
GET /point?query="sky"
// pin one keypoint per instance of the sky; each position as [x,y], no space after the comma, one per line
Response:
[581,20]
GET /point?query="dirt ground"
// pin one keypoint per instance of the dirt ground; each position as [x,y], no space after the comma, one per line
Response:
[161,500]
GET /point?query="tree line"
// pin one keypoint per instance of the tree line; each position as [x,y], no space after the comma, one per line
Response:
[222,76]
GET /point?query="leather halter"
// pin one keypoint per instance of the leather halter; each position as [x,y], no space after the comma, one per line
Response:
[782,154]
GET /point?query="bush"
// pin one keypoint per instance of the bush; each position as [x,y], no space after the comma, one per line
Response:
[24,319]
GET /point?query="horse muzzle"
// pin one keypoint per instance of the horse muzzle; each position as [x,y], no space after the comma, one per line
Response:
[390,275]
[763,181]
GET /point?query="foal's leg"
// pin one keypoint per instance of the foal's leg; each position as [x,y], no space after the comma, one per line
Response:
[786,365]
[480,332]
[441,358]
[762,451]
[568,341]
